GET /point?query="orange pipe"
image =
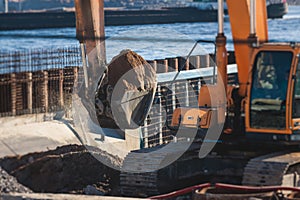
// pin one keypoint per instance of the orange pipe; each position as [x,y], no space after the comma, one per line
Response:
[181,192]
[256,189]
[226,186]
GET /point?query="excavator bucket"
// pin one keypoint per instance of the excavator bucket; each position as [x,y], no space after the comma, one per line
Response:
[127,96]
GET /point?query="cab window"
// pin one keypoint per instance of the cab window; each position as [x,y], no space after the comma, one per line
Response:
[270,78]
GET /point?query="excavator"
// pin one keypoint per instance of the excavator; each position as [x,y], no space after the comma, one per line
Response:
[247,133]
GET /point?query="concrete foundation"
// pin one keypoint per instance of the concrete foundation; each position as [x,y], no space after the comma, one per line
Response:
[32,133]
[133,139]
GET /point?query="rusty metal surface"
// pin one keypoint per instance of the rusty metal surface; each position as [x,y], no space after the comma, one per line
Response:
[37,81]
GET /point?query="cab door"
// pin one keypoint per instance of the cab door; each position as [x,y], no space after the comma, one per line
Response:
[268,100]
[296,100]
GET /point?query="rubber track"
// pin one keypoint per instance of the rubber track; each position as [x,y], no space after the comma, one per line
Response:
[269,169]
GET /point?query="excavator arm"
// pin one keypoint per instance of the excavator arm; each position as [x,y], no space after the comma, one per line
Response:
[91,35]
[112,90]
[240,20]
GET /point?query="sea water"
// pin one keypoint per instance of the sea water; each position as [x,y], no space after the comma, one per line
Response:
[155,41]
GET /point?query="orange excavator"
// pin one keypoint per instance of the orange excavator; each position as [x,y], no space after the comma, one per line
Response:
[267,73]
[258,120]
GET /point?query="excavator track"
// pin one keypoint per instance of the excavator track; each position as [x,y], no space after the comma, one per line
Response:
[139,184]
[270,169]
[161,178]
[279,168]
[141,170]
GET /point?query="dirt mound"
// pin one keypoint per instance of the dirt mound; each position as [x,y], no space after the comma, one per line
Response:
[68,169]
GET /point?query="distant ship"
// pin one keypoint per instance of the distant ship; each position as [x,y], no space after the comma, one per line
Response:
[206,5]
[277,10]
[198,11]
[66,17]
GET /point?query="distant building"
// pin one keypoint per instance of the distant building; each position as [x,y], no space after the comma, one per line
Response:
[145,4]
[17,5]
[2,6]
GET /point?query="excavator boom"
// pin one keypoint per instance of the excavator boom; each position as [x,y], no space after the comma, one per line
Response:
[239,12]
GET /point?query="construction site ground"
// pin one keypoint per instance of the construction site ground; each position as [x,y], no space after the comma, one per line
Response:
[43,159]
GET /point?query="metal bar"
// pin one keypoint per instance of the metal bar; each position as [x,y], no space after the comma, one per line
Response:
[61,89]
[220,16]
[253,17]
[186,91]
[146,142]
[161,118]
[45,92]
[13,94]
[6,6]
[192,74]
[84,64]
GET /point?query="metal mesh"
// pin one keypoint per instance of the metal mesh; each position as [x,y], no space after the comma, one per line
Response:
[35,81]
[38,81]
[182,93]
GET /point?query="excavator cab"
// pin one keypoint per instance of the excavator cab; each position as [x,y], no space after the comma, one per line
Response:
[273,98]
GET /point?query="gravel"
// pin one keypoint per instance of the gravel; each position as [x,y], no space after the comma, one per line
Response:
[9,184]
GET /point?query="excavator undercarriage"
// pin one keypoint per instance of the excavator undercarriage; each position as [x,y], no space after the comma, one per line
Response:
[233,161]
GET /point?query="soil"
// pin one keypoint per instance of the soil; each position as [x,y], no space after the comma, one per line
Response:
[67,169]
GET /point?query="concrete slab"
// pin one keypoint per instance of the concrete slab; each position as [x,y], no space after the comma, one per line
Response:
[59,197]
[22,135]
[34,133]
[112,145]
